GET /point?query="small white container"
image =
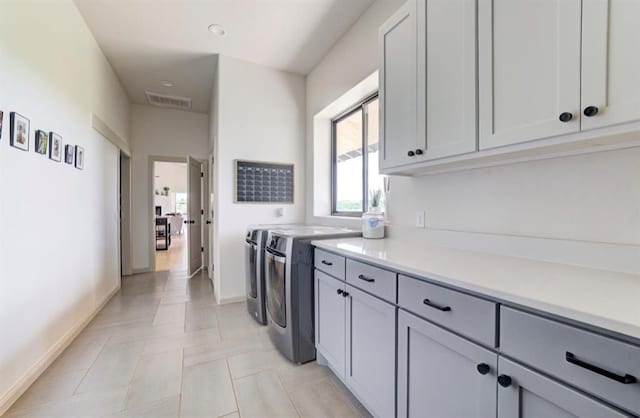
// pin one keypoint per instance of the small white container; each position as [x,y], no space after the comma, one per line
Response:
[373,224]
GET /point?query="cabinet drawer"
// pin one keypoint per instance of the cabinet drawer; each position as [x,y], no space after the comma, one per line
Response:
[467,315]
[604,367]
[329,263]
[377,281]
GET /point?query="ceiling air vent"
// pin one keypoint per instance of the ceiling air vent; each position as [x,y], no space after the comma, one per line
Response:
[165,100]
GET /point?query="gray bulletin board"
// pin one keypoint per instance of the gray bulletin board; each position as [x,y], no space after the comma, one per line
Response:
[263,182]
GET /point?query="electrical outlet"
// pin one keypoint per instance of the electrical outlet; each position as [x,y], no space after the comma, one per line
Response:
[420,219]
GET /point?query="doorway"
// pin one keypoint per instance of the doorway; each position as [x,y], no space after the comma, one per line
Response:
[171,211]
[124,202]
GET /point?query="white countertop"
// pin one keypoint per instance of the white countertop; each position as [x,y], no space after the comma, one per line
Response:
[604,299]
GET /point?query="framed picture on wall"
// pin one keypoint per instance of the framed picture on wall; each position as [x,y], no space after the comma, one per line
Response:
[69,150]
[55,147]
[19,131]
[1,120]
[42,142]
[79,157]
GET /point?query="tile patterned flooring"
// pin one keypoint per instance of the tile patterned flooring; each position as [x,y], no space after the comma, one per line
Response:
[162,348]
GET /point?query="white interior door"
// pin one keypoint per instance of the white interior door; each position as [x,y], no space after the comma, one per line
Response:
[195,214]
[610,62]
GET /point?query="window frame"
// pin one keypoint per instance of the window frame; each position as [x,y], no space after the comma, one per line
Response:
[359,107]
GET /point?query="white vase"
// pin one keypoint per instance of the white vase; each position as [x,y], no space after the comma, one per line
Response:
[373,224]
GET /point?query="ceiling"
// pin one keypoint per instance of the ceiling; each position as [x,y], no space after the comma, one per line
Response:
[147,41]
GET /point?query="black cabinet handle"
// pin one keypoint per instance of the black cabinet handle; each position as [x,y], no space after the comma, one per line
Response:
[419,152]
[340,291]
[366,279]
[483,368]
[345,294]
[186,222]
[436,306]
[590,111]
[565,116]
[627,379]
[411,153]
[208,222]
[327,263]
[504,380]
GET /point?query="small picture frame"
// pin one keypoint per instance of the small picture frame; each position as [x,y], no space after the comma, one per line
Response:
[1,120]
[55,147]
[42,142]
[19,131]
[69,151]
[79,157]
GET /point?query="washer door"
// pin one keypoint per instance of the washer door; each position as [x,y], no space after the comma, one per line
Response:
[275,272]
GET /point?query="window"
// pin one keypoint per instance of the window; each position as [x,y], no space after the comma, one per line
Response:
[355,158]
[181,203]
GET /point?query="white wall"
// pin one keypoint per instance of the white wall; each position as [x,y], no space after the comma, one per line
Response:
[59,249]
[348,63]
[585,208]
[173,176]
[161,133]
[260,117]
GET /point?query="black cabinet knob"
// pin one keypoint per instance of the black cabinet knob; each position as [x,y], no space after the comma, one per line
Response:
[590,111]
[186,222]
[340,291]
[419,152]
[565,116]
[345,294]
[208,222]
[483,368]
[411,153]
[504,380]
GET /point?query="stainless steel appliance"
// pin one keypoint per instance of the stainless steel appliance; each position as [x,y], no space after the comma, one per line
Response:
[255,240]
[289,288]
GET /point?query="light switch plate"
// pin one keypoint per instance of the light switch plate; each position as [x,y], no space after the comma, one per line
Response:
[420,216]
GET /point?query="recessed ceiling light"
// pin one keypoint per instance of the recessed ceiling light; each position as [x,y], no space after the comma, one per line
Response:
[217,30]
[167,83]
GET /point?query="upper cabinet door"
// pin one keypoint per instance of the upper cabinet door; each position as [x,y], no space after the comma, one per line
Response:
[398,90]
[529,70]
[447,73]
[610,62]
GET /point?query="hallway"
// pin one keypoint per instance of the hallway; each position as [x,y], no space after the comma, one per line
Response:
[162,348]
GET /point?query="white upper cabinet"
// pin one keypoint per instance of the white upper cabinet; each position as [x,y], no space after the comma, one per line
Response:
[529,70]
[447,74]
[398,87]
[428,82]
[610,62]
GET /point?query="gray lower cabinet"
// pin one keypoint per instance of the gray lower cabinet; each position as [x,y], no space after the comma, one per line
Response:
[442,375]
[523,393]
[330,321]
[371,351]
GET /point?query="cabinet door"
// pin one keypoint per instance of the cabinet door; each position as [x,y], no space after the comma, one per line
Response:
[531,395]
[398,90]
[440,374]
[529,69]
[371,351]
[610,62]
[330,320]
[447,72]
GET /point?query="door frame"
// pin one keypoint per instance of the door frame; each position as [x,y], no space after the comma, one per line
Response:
[125,254]
[152,159]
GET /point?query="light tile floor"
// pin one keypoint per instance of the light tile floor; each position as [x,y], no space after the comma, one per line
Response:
[162,348]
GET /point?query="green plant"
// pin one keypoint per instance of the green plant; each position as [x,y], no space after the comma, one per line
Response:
[375,198]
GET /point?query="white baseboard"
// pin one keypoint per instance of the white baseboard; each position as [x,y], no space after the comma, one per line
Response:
[27,379]
[235,299]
